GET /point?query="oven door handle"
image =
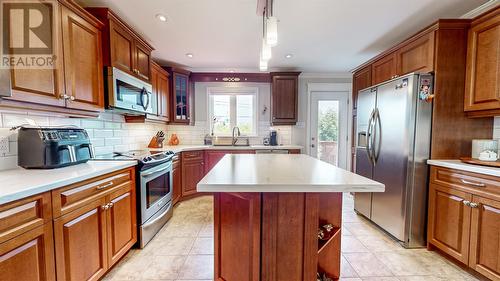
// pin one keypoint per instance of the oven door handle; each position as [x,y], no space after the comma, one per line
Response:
[155,172]
[169,204]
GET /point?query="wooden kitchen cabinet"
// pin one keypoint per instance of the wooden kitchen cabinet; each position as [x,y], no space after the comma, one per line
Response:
[75,85]
[482,86]
[177,179]
[81,243]
[361,79]
[122,46]
[26,239]
[449,221]
[161,87]
[213,157]
[82,62]
[181,100]
[464,218]
[384,69]
[416,56]
[95,224]
[193,170]
[284,98]
[485,237]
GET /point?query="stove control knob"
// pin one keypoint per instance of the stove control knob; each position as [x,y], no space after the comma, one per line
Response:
[149,158]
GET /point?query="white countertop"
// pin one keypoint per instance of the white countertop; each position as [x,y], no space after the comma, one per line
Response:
[21,183]
[282,173]
[180,148]
[459,165]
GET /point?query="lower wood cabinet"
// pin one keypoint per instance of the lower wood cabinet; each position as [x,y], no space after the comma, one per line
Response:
[213,157]
[464,218]
[29,256]
[193,170]
[92,236]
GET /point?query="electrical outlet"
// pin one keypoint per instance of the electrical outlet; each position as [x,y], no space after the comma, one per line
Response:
[4,145]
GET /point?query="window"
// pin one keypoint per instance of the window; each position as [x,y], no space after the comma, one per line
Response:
[233,107]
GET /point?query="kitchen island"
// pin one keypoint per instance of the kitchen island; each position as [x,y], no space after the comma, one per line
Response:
[267,211]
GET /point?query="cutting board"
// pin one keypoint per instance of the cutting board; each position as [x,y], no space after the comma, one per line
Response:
[469,160]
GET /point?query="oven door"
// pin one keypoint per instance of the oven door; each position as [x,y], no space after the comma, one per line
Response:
[130,93]
[156,189]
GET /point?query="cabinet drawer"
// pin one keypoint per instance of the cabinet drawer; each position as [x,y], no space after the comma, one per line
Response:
[483,185]
[23,215]
[192,155]
[77,195]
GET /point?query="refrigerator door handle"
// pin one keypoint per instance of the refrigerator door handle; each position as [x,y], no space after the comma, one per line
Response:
[369,141]
[377,135]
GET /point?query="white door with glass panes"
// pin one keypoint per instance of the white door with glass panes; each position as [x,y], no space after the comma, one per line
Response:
[329,127]
[230,107]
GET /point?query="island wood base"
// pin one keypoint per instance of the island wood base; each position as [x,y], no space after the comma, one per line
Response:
[274,236]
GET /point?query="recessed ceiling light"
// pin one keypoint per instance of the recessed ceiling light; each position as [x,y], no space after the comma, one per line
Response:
[189,55]
[288,56]
[161,17]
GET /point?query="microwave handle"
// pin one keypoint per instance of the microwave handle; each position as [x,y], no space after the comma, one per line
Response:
[145,92]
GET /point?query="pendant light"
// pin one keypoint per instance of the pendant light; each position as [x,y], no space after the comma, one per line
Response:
[272,31]
[263,65]
[266,53]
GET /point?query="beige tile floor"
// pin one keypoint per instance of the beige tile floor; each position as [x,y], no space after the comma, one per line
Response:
[183,250]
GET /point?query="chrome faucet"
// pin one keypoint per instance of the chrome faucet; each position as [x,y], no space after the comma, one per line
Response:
[235,139]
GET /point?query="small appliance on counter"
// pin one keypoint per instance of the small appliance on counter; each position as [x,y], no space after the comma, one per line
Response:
[53,147]
[484,153]
[273,138]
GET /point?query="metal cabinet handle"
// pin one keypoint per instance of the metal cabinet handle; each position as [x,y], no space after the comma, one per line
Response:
[99,187]
[111,204]
[466,203]
[478,184]
[473,205]
[72,98]
[104,207]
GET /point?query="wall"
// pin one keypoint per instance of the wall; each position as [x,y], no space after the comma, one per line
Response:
[108,133]
[496,128]
[195,134]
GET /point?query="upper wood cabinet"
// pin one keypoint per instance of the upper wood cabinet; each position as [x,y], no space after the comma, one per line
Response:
[416,56]
[384,69]
[161,88]
[122,47]
[361,79]
[482,87]
[181,97]
[75,85]
[284,98]
[82,62]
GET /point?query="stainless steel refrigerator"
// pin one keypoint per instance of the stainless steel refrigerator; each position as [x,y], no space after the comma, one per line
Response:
[393,144]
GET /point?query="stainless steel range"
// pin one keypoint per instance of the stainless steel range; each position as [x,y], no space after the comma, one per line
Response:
[154,189]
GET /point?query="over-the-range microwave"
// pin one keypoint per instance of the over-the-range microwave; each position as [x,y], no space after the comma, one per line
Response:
[128,93]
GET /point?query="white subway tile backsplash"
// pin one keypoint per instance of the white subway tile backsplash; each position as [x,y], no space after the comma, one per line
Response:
[112,141]
[112,125]
[120,133]
[92,124]
[97,142]
[103,133]
[103,150]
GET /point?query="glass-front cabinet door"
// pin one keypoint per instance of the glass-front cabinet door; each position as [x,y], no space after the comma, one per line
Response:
[180,95]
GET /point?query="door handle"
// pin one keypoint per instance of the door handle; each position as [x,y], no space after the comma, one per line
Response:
[369,141]
[376,144]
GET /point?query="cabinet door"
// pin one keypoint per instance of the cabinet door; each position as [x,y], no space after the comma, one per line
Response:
[82,62]
[284,99]
[29,256]
[449,221]
[142,61]
[483,74]
[177,179]
[180,98]
[121,223]
[81,244]
[212,158]
[361,79]
[121,48]
[163,95]
[485,237]
[156,91]
[416,56]
[192,172]
[384,69]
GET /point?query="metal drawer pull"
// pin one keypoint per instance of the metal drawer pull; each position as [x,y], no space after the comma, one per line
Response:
[104,186]
[478,184]
[104,207]
[473,205]
[466,203]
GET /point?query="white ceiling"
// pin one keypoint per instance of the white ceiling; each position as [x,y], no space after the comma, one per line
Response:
[325,36]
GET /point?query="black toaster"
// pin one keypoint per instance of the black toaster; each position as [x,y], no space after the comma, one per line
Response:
[53,147]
